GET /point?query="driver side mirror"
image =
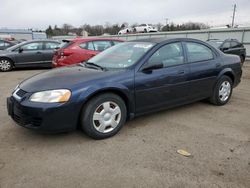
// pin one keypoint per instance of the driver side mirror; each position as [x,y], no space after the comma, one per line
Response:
[20,50]
[151,67]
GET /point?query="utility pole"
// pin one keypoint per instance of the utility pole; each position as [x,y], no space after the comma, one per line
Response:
[166,21]
[233,15]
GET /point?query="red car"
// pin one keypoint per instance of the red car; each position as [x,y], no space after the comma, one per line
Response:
[79,50]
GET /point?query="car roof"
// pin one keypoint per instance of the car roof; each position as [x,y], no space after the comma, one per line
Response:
[226,40]
[41,40]
[164,39]
[90,39]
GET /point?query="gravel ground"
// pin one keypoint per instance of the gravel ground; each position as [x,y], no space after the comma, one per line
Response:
[143,154]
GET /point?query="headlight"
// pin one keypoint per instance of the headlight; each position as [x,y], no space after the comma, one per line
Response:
[51,96]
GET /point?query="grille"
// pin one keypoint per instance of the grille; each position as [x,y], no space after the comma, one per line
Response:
[27,121]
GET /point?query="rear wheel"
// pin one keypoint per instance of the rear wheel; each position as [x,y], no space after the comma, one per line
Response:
[103,116]
[5,65]
[222,91]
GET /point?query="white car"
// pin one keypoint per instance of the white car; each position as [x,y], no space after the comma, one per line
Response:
[125,31]
[145,28]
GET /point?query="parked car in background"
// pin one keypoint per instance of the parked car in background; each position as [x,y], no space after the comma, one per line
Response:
[78,50]
[125,31]
[230,46]
[125,81]
[35,53]
[4,44]
[145,28]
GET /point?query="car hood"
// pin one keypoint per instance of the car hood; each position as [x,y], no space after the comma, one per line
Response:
[63,78]
[4,52]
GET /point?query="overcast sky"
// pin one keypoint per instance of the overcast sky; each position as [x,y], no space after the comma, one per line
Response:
[41,13]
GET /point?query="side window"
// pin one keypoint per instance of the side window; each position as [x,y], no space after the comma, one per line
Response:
[83,45]
[6,44]
[168,55]
[234,44]
[91,46]
[2,44]
[226,45]
[101,45]
[51,45]
[198,52]
[87,46]
[32,46]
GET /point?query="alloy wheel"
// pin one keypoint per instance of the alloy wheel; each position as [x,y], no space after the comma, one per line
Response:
[5,65]
[106,117]
[224,91]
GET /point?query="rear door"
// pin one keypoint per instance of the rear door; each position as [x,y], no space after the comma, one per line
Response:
[92,48]
[48,51]
[204,68]
[164,87]
[30,55]
[88,51]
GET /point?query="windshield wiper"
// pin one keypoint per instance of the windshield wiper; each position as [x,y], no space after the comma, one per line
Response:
[94,65]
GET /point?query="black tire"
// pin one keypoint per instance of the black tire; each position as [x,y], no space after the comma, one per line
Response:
[135,30]
[216,98]
[145,31]
[87,122]
[5,65]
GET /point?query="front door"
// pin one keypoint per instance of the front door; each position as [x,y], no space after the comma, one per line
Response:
[164,87]
[30,55]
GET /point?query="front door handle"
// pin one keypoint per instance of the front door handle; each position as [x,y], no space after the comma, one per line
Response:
[218,64]
[38,52]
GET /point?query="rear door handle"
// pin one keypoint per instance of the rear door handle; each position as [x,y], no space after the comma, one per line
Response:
[181,72]
[38,52]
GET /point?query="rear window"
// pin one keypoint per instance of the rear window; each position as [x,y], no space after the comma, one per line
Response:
[198,52]
[65,44]
[215,43]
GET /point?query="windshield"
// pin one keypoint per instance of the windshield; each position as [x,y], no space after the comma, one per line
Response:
[15,46]
[215,43]
[121,55]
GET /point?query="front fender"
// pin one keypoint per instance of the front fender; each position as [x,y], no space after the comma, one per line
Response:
[120,89]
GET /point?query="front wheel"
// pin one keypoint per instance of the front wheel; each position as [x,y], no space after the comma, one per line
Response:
[5,65]
[222,91]
[103,116]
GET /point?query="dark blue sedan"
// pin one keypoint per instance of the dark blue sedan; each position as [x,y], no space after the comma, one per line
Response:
[127,80]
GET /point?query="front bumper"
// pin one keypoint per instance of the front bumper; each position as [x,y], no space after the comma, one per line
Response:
[47,118]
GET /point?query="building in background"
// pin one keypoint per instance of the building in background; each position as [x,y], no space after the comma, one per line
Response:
[21,34]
